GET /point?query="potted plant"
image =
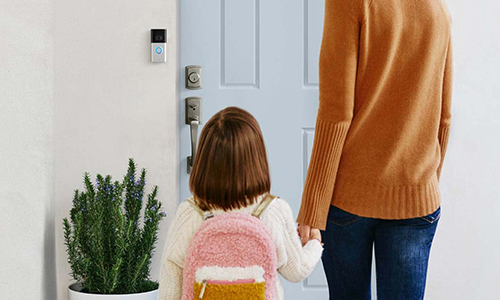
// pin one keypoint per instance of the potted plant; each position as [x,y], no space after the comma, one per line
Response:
[108,250]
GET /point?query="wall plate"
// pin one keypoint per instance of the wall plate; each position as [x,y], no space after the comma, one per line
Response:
[193,109]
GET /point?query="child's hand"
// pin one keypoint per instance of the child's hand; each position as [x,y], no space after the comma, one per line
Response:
[316,234]
[304,233]
[307,233]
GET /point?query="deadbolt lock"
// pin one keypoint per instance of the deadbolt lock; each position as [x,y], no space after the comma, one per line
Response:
[193,77]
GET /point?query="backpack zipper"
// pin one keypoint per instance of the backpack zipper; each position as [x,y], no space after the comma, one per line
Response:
[203,288]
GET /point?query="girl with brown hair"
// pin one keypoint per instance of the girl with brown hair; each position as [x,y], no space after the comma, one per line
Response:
[230,173]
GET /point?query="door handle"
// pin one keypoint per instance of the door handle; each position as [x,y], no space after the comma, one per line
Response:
[193,119]
[194,141]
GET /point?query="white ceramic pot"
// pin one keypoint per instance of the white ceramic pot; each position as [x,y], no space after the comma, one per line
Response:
[75,294]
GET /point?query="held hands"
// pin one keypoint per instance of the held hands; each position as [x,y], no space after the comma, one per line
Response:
[307,233]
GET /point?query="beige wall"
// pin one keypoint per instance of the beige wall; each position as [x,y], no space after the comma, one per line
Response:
[77,93]
[27,263]
[112,103]
[465,257]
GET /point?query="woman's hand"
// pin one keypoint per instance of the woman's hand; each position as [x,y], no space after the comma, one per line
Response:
[307,233]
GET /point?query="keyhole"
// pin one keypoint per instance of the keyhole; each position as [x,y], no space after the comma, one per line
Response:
[194,77]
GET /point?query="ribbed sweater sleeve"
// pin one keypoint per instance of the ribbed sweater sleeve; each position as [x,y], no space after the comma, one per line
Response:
[444,126]
[337,77]
[171,281]
[181,231]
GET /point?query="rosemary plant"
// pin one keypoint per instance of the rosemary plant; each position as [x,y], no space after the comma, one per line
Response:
[108,250]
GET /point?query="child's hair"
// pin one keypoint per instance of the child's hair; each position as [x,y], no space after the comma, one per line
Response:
[230,168]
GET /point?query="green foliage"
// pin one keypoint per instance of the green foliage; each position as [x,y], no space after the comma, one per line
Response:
[108,251]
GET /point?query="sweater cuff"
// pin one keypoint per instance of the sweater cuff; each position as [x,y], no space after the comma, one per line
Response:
[315,250]
[444,133]
[329,140]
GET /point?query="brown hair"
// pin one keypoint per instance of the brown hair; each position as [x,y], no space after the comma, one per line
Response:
[230,167]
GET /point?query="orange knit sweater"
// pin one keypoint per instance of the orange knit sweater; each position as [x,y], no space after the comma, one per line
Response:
[385,82]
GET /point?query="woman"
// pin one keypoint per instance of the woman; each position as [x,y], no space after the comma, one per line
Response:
[381,135]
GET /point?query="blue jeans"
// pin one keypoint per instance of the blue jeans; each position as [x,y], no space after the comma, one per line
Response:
[401,255]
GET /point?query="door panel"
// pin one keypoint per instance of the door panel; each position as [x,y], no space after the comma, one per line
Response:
[261,56]
[240,44]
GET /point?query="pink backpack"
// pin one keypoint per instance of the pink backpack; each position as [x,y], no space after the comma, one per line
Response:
[232,256]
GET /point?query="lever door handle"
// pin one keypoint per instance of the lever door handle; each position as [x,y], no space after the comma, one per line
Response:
[193,119]
[194,143]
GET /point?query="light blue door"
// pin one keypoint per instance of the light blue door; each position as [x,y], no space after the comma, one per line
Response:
[261,56]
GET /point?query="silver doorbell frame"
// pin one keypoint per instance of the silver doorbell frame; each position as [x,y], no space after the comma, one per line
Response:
[158,45]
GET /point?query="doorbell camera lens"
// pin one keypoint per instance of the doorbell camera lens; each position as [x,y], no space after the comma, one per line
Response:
[158,35]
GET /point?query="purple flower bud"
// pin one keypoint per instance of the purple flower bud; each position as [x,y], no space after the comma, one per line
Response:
[163,213]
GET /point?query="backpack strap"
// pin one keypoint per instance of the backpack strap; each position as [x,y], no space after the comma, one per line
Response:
[261,209]
[258,211]
[205,214]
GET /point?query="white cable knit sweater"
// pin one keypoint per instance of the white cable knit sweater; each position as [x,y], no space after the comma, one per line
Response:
[295,262]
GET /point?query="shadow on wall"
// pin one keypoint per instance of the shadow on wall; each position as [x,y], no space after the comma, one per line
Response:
[49,258]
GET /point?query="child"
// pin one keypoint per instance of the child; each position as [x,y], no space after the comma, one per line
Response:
[230,173]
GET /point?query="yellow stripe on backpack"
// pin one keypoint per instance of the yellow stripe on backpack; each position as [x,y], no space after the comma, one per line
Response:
[243,291]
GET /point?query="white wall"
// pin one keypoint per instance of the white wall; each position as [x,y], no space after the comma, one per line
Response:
[112,103]
[27,263]
[465,259]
